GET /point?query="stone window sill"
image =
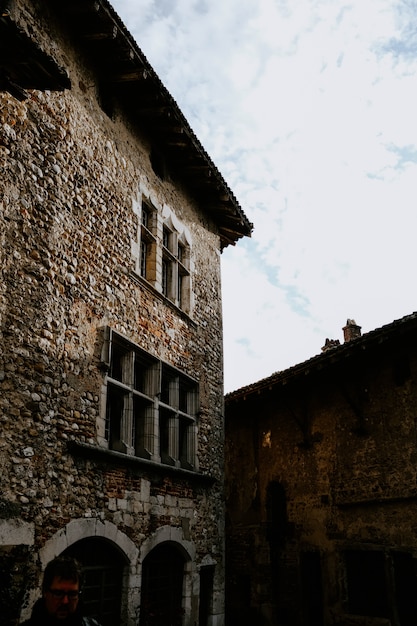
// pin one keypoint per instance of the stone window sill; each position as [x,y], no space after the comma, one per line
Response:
[118,458]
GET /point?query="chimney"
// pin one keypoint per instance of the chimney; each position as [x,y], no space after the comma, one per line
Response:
[351,330]
[330,343]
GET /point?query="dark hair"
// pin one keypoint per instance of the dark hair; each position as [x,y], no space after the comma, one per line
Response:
[64,567]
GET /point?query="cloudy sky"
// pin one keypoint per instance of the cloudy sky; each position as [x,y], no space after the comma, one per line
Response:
[308,108]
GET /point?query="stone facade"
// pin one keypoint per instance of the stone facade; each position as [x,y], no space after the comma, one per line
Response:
[76,306]
[321,487]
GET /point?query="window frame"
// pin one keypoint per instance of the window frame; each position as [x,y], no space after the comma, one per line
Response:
[151,407]
[162,253]
[146,265]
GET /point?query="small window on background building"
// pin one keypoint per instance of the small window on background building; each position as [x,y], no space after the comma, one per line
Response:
[401,369]
[151,407]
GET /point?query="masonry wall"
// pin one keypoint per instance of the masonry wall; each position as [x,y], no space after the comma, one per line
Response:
[71,178]
[321,493]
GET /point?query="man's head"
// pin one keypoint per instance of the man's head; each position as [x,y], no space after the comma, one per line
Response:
[61,587]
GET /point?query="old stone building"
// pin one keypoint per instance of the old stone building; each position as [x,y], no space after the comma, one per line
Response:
[112,222]
[321,486]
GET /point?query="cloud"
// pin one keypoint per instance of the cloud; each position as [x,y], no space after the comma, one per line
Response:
[308,109]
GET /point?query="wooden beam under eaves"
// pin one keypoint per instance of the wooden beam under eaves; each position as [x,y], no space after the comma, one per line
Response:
[203,170]
[177,143]
[155,111]
[171,128]
[227,213]
[128,77]
[229,231]
[104,34]
[82,8]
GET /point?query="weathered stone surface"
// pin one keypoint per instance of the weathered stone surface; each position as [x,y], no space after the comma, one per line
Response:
[320,469]
[70,176]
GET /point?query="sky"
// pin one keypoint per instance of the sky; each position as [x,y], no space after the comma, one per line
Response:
[308,108]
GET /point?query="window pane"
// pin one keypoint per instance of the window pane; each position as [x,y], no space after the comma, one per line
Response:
[145,371]
[143,257]
[117,359]
[180,253]
[186,397]
[179,289]
[169,389]
[184,428]
[165,277]
[167,436]
[115,408]
[143,427]
[165,238]
[145,215]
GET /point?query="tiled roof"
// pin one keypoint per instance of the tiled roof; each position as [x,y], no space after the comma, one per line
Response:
[328,358]
[126,75]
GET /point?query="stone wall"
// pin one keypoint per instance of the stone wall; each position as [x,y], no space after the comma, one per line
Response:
[70,179]
[324,503]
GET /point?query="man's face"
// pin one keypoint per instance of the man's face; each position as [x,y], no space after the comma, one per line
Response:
[61,599]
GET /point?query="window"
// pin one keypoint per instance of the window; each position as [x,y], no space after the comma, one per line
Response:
[151,407]
[147,259]
[382,584]
[162,253]
[175,267]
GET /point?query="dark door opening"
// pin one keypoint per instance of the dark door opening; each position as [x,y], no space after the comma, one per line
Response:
[206,594]
[405,579]
[311,580]
[103,566]
[366,579]
[162,583]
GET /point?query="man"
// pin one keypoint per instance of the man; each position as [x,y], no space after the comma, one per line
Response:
[59,605]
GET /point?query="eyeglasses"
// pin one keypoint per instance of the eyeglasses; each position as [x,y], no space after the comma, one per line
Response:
[61,593]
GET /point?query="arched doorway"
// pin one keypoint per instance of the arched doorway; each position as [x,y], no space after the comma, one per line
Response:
[162,587]
[103,566]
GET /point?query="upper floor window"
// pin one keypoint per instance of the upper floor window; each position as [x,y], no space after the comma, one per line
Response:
[151,407]
[175,267]
[164,254]
[148,247]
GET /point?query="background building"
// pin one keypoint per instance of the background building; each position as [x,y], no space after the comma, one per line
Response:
[321,486]
[112,221]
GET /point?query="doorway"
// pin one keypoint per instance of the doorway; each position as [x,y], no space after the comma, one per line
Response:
[312,588]
[102,565]
[162,587]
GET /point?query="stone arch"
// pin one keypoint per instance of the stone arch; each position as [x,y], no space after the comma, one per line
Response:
[82,529]
[168,533]
[175,537]
[79,529]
